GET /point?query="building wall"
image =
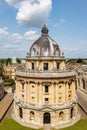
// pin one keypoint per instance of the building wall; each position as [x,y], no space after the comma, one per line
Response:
[9,71]
[1,90]
[82,81]
[33,91]
[57,117]
[39,64]
[39,92]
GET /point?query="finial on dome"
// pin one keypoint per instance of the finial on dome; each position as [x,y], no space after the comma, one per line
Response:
[44,30]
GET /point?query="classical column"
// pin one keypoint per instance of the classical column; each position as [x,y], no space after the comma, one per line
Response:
[56,93]
[73,89]
[26,91]
[54,65]
[52,92]
[29,92]
[40,93]
[37,65]
[66,91]
[18,89]
[36,92]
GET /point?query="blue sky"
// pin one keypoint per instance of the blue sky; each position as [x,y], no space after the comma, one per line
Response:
[21,22]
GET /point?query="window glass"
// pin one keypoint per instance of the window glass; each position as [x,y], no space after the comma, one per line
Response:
[45,66]
[20,112]
[57,66]
[46,89]
[32,66]
[46,99]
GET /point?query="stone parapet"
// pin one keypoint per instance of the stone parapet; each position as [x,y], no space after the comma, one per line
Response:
[44,58]
[46,74]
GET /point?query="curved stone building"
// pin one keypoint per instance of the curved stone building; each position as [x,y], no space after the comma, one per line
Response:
[45,90]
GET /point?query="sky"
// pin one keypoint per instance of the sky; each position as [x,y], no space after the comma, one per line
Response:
[21,22]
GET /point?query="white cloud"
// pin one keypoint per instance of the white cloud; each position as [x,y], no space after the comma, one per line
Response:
[32,12]
[15,3]
[74,49]
[3,31]
[60,23]
[16,36]
[6,28]
[64,48]
[31,35]
[8,46]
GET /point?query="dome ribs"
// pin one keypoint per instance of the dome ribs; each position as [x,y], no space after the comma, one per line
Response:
[45,46]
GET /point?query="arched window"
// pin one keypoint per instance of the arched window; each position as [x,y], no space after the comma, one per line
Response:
[33,99]
[33,66]
[46,89]
[60,97]
[46,118]
[60,87]
[83,81]
[20,112]
[33,88]
[79,82]
[32,115]
[45,66]
[57,66]
[70,95]
[22,86]
[73,112]
[61,115]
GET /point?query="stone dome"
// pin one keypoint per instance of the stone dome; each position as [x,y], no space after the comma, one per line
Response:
[45,46]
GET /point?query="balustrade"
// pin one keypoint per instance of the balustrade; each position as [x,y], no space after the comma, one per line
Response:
[45,74]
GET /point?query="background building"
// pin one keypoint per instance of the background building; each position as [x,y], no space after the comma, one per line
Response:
[1,88]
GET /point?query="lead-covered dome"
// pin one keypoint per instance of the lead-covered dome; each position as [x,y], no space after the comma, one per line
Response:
[45,46]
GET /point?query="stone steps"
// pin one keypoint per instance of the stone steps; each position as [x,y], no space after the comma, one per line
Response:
[47,127]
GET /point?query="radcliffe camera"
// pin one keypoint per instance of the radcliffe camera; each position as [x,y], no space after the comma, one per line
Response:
[43,65]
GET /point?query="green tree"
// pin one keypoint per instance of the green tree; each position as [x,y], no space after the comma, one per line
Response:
[18,60]
[2,61]
[79,60]
[9,82]
[8,61]
[1,69]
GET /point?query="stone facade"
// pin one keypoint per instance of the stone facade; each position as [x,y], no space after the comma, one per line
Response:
[9,71]
[1,89]
[82,80]
[45,90]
